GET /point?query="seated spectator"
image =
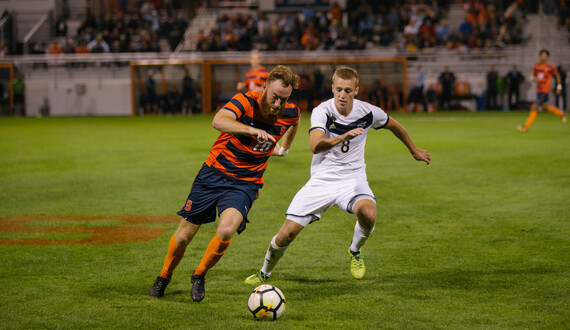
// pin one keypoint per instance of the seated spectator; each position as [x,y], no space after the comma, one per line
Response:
[82,47]
[427,36]
[68,46]
[382,35]
[366,25]
[442,32]
[335,12]
[466,27]
[411,31]
[310,39]
[148,43]
[416,19]
[55,47]
[146,11]
[98,45]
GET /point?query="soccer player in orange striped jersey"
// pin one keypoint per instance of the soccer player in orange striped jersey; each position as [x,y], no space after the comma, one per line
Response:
[542,74]
[256,77]
[251,126]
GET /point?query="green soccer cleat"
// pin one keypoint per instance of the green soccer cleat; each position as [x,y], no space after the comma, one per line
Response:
[357,268]
[257,279]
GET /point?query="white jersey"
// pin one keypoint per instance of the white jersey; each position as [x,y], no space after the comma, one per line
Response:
[346,158]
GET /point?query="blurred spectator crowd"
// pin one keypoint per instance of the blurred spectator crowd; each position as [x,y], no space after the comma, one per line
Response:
[368,23]
[412,25]
[486,24]
[136,31]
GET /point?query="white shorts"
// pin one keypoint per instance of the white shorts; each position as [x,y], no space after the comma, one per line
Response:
[319,195]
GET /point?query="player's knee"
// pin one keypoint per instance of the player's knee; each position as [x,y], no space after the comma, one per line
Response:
[185,233]
[225,232]
[182,238]
[367,215]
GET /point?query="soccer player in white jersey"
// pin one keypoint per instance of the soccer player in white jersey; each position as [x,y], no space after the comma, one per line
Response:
[338,172]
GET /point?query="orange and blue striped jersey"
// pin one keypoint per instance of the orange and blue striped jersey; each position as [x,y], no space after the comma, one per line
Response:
[256,78]
[241,156]
[543,73]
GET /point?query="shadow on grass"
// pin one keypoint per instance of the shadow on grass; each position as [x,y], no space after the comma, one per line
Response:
[317,286]
[482,281]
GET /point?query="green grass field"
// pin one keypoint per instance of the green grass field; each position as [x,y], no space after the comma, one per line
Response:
[478,239]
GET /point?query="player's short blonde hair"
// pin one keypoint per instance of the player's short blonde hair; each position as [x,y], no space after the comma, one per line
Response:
[285,74]
[346,73]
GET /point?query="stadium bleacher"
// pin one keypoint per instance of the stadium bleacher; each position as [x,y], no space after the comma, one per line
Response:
[503,35]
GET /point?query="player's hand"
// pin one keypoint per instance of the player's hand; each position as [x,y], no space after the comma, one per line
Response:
[353,133]
[279,151]
[263,136]
[422,155]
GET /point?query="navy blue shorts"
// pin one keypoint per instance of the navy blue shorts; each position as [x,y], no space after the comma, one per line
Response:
[541,98]
[213,189]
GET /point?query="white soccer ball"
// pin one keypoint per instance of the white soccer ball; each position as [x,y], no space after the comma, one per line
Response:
[266,302]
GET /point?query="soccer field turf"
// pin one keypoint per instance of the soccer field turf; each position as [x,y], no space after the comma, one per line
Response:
[477,239]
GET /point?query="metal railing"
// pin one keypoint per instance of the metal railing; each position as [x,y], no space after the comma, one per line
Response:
[34,30]
[3,22]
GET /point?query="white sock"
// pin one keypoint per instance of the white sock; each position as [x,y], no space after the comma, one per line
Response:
[360,237]
[274,253]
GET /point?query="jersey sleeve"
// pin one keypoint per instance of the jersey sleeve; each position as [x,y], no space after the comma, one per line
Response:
[319,118]
[237,105]
[380,118]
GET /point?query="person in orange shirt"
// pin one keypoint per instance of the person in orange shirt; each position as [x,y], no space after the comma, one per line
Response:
[542,74]
[55,47]
[251,125]
[335,11]
[256,77]
[310,39]
[82,47]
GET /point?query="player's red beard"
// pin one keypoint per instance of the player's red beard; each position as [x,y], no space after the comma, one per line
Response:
[267,110]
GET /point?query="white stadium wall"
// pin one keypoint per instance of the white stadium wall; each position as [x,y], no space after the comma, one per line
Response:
[80,97]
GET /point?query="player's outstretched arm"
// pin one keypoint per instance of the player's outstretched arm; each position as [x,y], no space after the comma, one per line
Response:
[226,121]
[400,132]
[318,143]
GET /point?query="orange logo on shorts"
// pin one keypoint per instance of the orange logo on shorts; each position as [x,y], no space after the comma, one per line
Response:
[188,205]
